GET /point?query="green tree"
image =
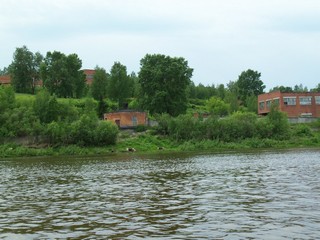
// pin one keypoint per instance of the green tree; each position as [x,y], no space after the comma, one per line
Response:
[249,83]
[279,122]
[25,70]
[46,107]
[119,84]
[221,91]
[62,76]
[4,71]
[300,88]
[99,84]
[282,89]
[164,81]
[251,103]
[316,89]
[218,107]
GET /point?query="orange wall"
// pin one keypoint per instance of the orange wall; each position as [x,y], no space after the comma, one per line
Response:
[125,119]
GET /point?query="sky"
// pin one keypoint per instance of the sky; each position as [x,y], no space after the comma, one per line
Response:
[219,38]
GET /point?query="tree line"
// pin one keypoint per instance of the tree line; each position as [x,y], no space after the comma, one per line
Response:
[163,84]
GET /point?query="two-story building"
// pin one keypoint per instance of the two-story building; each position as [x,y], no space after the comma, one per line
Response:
[295,105]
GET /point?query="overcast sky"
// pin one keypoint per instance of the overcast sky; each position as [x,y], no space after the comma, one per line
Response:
[218,38]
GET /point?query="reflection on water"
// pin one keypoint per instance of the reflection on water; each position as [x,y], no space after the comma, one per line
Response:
[221,196]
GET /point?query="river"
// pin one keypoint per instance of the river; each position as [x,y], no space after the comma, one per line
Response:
[264,195]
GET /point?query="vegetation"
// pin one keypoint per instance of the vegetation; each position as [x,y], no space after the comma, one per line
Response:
[120,84]
[25,70]
[62,75]
[164,81]
[64,116]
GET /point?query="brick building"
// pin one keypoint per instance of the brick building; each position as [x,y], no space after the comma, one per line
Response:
[127,118]
[5,80]
[296,105]
[89,75]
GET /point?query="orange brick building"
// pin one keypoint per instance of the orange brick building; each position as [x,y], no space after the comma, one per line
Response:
[127,118]
[296,105]
[5,80]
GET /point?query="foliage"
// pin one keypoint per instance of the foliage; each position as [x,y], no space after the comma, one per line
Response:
[62,76]
[163,123]
[238,126]
[46,107]
[203,92]
[4,71]
[120,84]
[279,122]
[218,107]
[25,70]
[99,84]
[249,83]
[7,98]
[164,82]
[87,131]
[302,130]
[316,89]
[282,89]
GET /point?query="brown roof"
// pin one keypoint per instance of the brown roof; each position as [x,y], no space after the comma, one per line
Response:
[6,79]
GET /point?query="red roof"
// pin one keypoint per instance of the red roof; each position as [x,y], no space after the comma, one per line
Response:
[5,79]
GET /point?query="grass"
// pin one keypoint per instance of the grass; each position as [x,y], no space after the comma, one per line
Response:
[148,143]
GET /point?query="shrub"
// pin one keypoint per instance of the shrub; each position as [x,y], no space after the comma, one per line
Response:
[302,130]
[105,133]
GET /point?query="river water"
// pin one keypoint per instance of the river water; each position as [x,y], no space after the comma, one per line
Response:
[265,195]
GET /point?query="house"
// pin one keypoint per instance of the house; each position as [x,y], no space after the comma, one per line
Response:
[296,105]
[5,80]
[127,118]
[89,75]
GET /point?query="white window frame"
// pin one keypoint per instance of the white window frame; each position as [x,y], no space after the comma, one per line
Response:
[317,99]
[305,100]
[291,101]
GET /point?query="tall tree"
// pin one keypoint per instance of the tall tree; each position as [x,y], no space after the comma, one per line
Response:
[24,70]
[62,75]
[99,84]
[119,83]
[249,83]
[164,81]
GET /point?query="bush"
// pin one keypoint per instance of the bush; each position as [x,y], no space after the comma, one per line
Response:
[106,133]
[141,128]
[302,130]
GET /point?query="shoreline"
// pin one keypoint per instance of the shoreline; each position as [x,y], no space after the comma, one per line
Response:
[145,145]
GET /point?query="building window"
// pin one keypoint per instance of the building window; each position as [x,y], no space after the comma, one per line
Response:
[305,100]
[268,103]
[290,101]
[317,100]
[89,76]
[276,101]
[134,121]
[261,105]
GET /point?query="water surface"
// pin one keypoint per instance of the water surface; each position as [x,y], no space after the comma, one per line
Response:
[267,195]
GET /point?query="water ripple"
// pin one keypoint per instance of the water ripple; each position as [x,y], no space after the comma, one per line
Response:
[222,196]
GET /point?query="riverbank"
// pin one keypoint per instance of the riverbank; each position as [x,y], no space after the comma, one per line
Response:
[147,143]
